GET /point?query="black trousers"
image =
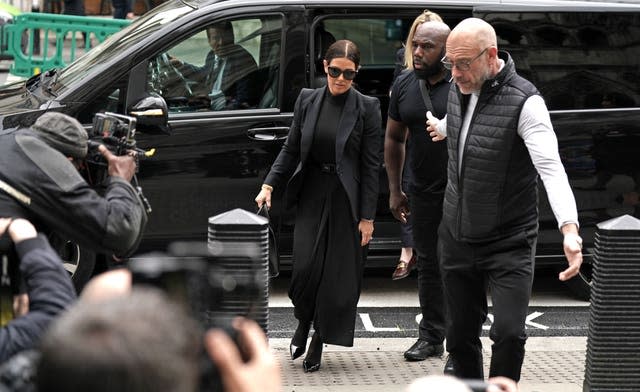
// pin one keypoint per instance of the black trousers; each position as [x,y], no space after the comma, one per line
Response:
[406,231]
[426,213]
[506,268]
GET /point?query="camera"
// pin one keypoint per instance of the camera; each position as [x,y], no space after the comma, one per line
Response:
[10,277]
[117,133]
[212,293]
[115,129]
[196,279]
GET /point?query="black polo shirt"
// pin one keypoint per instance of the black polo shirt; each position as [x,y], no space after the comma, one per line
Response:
[428,159]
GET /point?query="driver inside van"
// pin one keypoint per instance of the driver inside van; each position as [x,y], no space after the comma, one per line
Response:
[227,76]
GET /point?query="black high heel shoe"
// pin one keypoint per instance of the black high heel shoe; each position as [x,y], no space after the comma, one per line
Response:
[312,361]
[299,339]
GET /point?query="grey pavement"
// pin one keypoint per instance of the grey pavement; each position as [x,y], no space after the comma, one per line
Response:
[551,364]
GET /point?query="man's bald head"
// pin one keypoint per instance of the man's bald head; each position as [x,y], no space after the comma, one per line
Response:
[477,31]
[438,29]
[426,48]
[472,54]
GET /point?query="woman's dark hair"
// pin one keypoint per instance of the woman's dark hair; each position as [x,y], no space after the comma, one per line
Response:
[343,49]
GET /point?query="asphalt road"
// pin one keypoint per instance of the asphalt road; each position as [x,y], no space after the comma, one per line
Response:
[390,309]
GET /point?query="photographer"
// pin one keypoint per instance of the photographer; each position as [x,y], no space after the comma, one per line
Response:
[39,180]
[157,348]
[48,286]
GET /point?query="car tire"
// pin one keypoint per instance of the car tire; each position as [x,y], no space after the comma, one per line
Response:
[78,261]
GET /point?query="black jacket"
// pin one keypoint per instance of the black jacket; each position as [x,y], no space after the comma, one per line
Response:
[495,194]
[50,292]
[55,197]
[357,149]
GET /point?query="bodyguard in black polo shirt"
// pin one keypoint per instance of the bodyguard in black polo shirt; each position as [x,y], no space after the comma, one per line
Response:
[407,111]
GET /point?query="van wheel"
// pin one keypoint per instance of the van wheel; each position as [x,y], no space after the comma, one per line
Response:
[77,260]
[580,285]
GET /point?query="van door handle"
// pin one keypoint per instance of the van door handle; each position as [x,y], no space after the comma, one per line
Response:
[268,133]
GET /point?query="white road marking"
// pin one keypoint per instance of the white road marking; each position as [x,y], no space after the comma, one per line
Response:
[368,325]
[527,323]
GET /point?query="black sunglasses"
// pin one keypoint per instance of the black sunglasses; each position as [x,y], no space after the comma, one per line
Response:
[348,74]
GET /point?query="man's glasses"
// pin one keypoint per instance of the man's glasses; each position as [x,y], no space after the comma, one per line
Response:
[348,74]
[462,65]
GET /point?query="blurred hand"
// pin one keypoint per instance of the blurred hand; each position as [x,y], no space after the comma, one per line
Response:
[502,384]
[20,305]
[19,229]
[432,128]
[261,372]
[175,61]
[119,166]
[366,231]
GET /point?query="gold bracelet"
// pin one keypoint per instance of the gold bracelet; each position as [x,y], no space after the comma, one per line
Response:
[266,187]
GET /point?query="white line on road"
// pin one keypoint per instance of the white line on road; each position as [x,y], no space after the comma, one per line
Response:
[368,325]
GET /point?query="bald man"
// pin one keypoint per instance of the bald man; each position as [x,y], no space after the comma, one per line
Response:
[499,139]
[428,163]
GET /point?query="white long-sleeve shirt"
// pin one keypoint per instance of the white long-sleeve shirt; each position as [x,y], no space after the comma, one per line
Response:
[534,127]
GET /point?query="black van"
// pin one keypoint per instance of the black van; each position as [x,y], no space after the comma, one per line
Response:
[583,56]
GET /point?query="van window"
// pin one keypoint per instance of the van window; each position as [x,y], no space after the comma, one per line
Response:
[227,65]
[578,60]
[378,39]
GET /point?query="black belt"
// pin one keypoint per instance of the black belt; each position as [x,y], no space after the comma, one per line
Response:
[327,167]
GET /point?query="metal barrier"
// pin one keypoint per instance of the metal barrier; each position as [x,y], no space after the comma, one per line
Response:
[612,362]
[39,42]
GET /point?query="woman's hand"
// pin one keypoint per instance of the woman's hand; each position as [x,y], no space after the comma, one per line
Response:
[264,196]
[366,231]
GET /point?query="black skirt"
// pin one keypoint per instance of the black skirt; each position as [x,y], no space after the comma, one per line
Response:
[327,259]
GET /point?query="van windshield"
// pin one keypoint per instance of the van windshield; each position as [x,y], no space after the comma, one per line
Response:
[130,35]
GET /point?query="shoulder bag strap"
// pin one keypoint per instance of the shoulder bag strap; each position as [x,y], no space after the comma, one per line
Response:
[425,96]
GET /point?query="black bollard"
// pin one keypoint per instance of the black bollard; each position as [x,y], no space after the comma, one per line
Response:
[238,243]
[613,342]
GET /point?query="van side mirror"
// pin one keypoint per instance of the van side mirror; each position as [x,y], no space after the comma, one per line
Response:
[152,115]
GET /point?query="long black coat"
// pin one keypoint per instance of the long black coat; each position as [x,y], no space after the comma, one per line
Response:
[357,150]
[327,256]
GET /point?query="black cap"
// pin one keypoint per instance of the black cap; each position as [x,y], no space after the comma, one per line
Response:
[62,132]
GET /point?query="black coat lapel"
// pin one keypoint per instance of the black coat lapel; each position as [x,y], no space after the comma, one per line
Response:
[347,123]
[310,120]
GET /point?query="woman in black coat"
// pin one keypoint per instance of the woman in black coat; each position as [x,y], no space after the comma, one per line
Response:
[331,161]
